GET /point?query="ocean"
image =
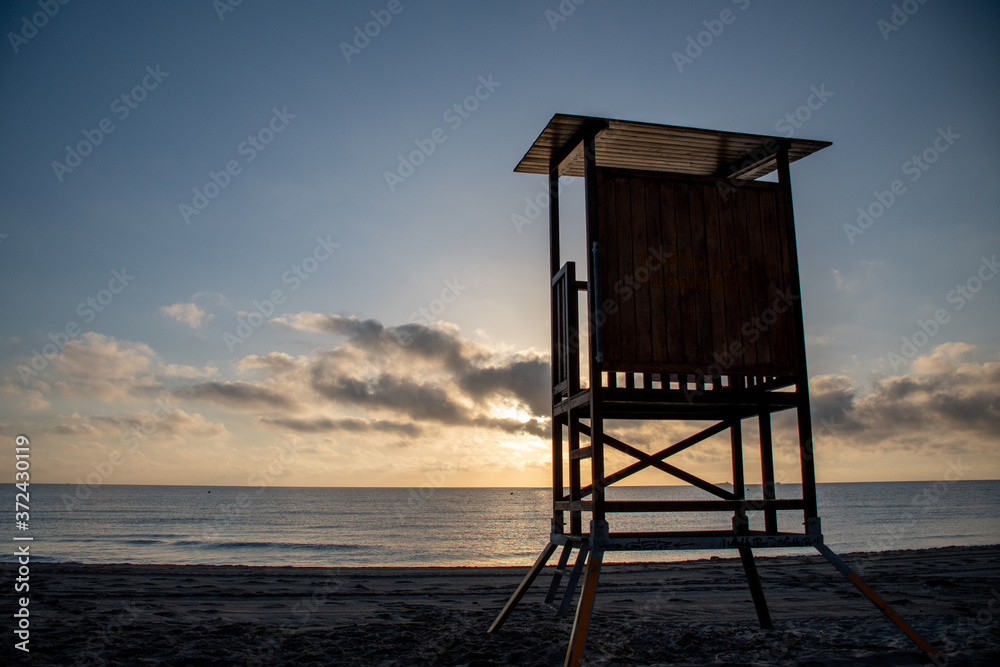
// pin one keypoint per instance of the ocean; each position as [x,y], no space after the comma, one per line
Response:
[446,526]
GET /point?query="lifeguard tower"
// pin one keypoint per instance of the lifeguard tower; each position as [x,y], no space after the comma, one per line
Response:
[693,314]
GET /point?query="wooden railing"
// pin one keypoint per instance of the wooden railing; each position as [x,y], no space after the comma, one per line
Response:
[565,332]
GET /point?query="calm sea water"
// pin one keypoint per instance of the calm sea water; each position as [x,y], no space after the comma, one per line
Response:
[446,526]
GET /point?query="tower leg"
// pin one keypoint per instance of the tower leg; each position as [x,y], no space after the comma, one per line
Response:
[557,575]
[523,587]
[756,590]
[890,613]
[584,608]
[574,578]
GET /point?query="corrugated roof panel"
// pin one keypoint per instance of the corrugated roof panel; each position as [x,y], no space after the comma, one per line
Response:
[634,145]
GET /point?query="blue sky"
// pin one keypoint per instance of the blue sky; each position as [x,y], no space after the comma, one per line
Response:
[314,202]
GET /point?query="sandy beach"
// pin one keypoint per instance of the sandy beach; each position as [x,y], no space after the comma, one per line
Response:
[689,613]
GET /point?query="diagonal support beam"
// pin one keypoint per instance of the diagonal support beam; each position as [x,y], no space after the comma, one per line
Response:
[756,589]
[890,613]
[529,579]
[690,441]
[648,460]
[584,609]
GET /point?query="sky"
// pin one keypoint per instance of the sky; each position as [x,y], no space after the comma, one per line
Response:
[249,243]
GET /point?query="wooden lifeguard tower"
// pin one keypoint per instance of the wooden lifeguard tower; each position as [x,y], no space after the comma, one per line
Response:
[692,315]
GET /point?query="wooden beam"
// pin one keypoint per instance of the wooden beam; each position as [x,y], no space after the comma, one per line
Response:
[584,608]
[751,505]
[767,470]
[669,451]
[702,505]
[802,385]
[756,589]
[529,578]
[883,606]
[648,460]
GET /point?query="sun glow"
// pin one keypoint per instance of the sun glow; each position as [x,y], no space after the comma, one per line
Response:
[510,409]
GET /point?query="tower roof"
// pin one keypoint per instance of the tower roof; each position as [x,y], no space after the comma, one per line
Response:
[649,146]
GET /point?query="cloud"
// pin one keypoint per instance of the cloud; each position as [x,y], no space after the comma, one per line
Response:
[527,379]
[29,400]
[947,398]
[242,395]
[175,425]
[404,343]
[274,363]
[418,401]
[188,313]
[103,367]
[188,372]
[351,425]
[408,373]
[535,427]
[842,284]
[78,426]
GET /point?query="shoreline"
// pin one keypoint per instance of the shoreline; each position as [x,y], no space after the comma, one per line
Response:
[759,554]
[697,611]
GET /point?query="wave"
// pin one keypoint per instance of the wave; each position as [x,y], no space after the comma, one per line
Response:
[271,545]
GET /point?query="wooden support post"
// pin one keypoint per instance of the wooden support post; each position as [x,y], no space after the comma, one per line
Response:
[558,519]
[756,589]
[767,471]
[740,522]
[554,266]
[529,578]
[802,383]
[554,242]
[584,608]
[557,575]
[575,517]
[595,328]
[574,578]
[844,569]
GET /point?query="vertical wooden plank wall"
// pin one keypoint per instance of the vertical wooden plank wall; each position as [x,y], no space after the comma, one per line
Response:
[689,271]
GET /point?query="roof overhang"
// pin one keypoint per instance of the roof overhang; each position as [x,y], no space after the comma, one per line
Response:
[648,146]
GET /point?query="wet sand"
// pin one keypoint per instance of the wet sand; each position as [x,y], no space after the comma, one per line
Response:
[688,613]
